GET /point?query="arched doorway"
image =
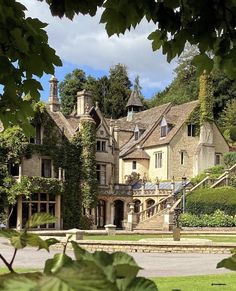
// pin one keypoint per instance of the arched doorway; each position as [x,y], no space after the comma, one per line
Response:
[149,203]
[101,213]
[137,206]
[119,213]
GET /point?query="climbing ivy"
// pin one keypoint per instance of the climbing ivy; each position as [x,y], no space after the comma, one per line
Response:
[76,156]
[71,200]
[194,118]
[89,177]
[206,98]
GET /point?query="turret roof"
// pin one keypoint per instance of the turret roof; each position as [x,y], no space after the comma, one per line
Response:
[134,100]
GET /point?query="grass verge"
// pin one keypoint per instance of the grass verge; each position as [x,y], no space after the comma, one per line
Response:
[197,283]
[136,237]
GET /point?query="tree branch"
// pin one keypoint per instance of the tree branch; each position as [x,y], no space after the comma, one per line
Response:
[13,257]
[7,264]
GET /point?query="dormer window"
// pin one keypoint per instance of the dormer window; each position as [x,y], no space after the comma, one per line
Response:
[136,133]
[164,127]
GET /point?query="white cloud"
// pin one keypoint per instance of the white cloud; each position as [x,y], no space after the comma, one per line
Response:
[84,42]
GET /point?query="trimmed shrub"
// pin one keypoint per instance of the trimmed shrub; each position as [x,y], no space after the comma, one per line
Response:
[217,219]
[230,159]
[214,172]
[208,200]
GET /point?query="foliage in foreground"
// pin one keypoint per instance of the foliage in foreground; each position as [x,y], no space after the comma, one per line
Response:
[88,272]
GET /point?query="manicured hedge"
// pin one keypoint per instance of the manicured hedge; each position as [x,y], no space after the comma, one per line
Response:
[217,219]
[207,201]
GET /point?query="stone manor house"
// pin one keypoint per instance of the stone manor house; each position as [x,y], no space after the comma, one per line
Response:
[157,146]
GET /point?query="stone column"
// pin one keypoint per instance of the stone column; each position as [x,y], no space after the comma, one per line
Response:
[112,213]
[58,223]
[19,213]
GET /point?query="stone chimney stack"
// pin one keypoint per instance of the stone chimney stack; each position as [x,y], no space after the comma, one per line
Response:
[53,101]
[84,102]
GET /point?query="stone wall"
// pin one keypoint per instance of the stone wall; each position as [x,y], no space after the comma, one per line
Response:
[160,247]
[187,144]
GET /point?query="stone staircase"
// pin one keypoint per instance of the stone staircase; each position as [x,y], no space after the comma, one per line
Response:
[153,218]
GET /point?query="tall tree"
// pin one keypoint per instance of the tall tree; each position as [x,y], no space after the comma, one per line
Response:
[68,89]
[184,87]
[119,91]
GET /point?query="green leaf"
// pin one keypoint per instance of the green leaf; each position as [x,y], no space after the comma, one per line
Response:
[202,62]
[20,284]
[58,261]
[18,242]
[8,233]
[158,39]
[34,240]
[140,284]
[229,263]
[40,219]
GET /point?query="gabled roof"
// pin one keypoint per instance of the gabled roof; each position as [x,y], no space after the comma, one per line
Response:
[174,115]
[69,124]
[143,119]
[177,116]
[134,100]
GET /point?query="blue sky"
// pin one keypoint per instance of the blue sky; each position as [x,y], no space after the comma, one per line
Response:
[83,43]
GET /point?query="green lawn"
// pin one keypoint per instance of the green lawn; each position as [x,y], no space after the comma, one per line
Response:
[136,237]
[220,282]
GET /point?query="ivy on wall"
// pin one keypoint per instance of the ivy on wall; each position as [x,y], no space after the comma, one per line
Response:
[206,98]
[89,177]
[76,156]
[194,118]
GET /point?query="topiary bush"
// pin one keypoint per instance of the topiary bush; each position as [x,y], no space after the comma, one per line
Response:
[208,200]
[230,159]
[214,172]
[217,219]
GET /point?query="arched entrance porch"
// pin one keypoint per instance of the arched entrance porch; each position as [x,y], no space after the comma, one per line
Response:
[118,213]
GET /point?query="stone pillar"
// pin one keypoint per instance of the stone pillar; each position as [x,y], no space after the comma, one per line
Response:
[19,213]
[108,212]
[132,218]
[168,221]
[112,213]
[227,178]
[58,223]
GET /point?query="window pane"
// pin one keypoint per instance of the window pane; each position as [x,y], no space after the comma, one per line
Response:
[103,146]
[163,131]
[14,169]
[43,197]
[98,145]
[46,168]
[134,165]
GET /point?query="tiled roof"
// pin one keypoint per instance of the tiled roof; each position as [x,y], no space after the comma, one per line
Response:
[61,122]
[143,119]
[162,185]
